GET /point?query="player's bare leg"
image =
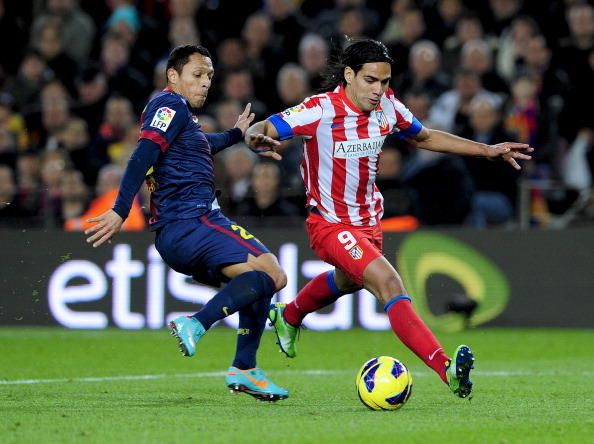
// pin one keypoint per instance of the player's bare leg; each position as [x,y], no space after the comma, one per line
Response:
[381,279]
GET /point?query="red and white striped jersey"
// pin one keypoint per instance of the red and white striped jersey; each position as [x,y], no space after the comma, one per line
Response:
[342,146]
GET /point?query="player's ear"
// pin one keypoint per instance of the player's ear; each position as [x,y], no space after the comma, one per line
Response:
[349,74]
[172,76]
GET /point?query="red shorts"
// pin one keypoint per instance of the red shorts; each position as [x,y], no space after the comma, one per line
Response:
[347,247]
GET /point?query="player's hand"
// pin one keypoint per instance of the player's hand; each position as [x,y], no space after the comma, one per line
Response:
[264,146]
[509,152]
[245,119]
[107,226]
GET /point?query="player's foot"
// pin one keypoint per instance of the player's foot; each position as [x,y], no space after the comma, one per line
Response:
[286,334]
[458,371]
[188,331]
[254,382]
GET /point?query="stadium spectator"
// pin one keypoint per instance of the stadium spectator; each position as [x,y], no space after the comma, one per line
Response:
[76,27]
[55,114]
[238,85]
[182,31]
[412,30]
[442,19]
[477,57]
[450,110]
[292,84]
[264,56]
[238,163]
[468,27]
[499,14]
[53,165]
[495,187]
[313,57]
[29,181]
[522,118]
[159,78]
[265,199]
[325,22]
[512,45]
[13,121]
[286,25]
[122,78]
[92,89]
[425,70]
[118,119]
[74,198]
[11,212]
[49,45]
[226,113]
[26,86]
[392,30]
[8,148]
[107,189]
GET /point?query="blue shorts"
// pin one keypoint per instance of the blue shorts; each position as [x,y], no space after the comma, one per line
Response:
[200,247]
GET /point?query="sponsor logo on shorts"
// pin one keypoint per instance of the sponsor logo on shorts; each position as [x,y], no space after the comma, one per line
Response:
[163,118]
[356,252]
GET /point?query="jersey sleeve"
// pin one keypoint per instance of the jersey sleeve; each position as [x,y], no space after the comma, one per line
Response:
[407,125]
[163,119]
[300,120]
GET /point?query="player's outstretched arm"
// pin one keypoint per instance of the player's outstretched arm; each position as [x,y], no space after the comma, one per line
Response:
[443,142]
[106,226]
[262,138]
[109,223]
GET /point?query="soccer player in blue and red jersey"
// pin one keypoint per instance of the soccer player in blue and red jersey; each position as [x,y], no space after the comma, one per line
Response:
[192,235]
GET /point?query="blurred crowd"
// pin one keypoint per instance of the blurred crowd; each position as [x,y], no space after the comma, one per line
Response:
[75,76]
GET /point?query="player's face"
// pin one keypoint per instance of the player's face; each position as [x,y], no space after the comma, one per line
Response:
[194,81]
[366,87]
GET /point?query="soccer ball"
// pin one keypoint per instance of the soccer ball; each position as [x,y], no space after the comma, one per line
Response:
[384,383]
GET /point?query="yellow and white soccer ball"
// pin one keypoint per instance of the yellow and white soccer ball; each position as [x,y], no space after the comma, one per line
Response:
[384,383]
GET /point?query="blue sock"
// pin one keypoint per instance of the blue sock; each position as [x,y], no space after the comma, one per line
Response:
[242,291]
[252,321]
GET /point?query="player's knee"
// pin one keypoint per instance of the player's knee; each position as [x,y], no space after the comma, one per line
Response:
[390,286]
[279,277]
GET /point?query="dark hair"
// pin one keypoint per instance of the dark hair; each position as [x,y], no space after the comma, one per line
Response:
[181,54]
[355,55]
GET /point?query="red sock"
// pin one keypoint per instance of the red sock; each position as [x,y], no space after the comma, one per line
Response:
[318,293]
[413,332]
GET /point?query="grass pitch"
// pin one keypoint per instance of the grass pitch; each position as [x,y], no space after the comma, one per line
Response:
[59,386]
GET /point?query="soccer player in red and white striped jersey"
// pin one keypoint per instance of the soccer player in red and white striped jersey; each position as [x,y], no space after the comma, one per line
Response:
[343,131]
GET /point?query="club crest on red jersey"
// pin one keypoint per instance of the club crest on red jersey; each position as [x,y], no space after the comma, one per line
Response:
[382,120]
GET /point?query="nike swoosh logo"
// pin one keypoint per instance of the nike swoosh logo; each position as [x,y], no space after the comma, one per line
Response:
[261,384]
[432,355]
[226,311]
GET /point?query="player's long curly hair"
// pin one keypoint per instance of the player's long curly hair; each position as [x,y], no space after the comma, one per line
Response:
[355,55]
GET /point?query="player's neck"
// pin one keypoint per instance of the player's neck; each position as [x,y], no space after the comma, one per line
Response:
[348,92]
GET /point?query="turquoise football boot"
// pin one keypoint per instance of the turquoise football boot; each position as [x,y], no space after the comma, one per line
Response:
[286,334]
[188,331]
[458,372]
[254,382]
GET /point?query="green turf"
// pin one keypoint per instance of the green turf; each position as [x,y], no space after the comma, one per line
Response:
[532,386]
